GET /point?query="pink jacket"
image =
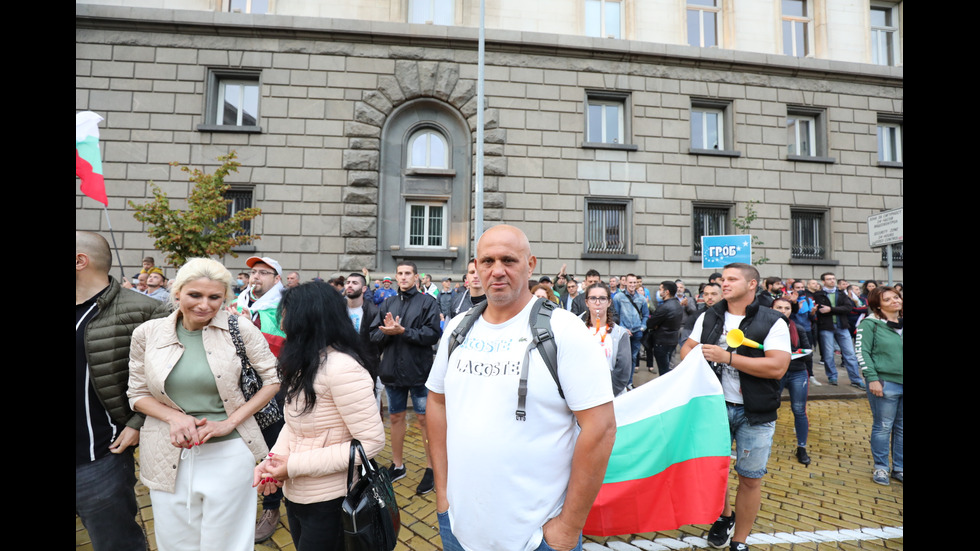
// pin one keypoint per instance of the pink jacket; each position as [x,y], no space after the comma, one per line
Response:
[318,441]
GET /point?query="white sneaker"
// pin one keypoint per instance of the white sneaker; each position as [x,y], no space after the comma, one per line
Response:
[814,381]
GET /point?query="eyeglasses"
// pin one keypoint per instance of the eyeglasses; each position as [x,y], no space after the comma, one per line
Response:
[598,300]
[263,272]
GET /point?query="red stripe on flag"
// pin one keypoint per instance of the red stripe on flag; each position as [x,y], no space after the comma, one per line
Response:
[275,343]
[691,492]
[93,184]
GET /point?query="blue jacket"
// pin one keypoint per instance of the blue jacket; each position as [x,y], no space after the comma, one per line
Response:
[630,317]
[802,317]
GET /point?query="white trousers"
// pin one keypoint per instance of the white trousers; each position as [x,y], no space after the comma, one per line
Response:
[213,504]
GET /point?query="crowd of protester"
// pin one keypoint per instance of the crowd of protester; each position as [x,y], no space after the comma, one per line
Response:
[323,348]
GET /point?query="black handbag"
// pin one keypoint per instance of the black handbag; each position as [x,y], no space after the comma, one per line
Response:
[250,382]
[369,513]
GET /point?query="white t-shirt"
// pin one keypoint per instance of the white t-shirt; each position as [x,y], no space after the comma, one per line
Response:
[777,339]
[508,477]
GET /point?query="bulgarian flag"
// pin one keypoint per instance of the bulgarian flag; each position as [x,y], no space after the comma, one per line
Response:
[669,465]
[88,158]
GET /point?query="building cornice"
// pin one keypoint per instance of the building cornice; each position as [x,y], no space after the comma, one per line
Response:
[284,27]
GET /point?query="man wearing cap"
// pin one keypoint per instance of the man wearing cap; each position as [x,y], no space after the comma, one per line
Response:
[259,302]
[384,292]
[154,285]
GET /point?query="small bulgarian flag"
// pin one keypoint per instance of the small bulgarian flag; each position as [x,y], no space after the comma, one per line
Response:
[88,158]
[669,465]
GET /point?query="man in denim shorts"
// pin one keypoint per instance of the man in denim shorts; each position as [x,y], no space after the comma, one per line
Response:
[750,379]
[406,328]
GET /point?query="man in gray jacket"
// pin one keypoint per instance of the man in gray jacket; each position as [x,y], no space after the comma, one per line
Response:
[106,430]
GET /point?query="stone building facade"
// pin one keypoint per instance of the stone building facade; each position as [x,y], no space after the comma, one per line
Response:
[356,141]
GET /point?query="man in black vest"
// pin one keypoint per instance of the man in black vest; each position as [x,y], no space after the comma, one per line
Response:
[751,386]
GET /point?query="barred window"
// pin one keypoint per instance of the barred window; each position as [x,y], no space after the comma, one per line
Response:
[240,199]
[607,227]
[898,253]
[426,225]
[809,242]
[708,220]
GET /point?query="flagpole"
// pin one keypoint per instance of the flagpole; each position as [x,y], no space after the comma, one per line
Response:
[481,54]
[114,246]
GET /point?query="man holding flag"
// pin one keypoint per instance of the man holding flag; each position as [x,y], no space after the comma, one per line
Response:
[749,371]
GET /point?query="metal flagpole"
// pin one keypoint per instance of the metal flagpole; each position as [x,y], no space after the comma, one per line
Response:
[481,52]
[114,246]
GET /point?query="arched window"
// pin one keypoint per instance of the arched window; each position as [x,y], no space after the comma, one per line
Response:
[424,194]
[427,148]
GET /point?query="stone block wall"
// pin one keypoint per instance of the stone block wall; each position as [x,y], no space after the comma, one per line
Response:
[326,94]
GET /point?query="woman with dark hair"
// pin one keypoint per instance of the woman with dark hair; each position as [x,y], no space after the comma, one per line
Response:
[867,287]
[796,377]
[880,353]
[329,402]
[611,337]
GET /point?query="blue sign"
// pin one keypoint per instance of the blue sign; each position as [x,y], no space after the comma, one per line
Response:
[719,250]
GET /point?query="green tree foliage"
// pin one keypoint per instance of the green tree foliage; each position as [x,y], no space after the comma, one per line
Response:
[204,229]
[744,225]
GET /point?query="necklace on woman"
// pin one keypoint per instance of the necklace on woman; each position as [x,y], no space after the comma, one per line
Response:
[605,331]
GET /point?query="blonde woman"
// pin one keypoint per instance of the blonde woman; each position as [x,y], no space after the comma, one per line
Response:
[200,441]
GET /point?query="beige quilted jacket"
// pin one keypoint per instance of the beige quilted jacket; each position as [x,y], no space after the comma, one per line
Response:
[318,441]
[153,353]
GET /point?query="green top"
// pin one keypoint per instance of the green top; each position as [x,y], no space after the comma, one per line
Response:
[879,351]
[191,385]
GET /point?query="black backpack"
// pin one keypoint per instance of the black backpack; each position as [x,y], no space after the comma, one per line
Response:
[541,338]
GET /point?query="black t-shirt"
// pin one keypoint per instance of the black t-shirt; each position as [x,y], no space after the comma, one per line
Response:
[94,431]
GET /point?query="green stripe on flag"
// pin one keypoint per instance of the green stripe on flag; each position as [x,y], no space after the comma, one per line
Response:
[88,149]
[647,447]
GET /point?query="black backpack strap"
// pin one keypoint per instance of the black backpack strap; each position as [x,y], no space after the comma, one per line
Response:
[543,339]
[469,318]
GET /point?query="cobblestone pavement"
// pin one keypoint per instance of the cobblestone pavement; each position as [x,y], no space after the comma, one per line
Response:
[833,504]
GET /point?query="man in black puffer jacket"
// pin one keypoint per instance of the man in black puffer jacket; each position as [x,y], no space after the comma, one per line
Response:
[106,430]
